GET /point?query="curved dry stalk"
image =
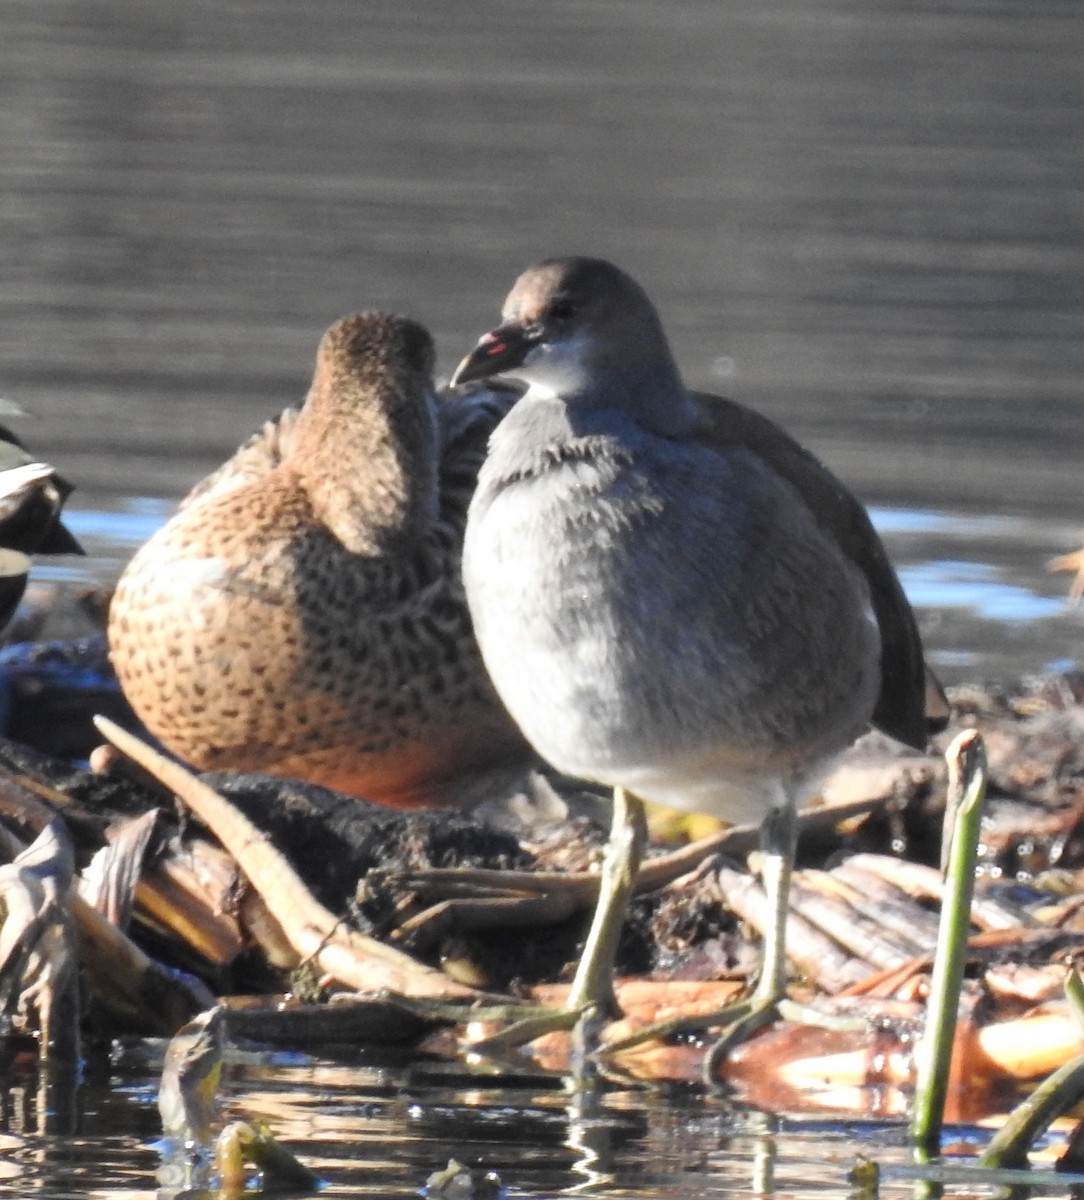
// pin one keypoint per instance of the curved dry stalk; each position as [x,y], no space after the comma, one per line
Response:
[315,933]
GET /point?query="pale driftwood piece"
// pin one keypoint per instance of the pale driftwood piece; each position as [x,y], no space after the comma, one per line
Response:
[259,923]
[818,957]
[315,933]
[38,949]
[1033,1045]
[109,881]
[925,883]
[890,906]
[840,912]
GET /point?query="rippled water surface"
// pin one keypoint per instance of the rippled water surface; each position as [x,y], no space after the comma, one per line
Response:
[369,1125]
[865,219]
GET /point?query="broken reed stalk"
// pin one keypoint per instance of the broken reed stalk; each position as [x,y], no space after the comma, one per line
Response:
[966,758]
[188,1088]
[133,989]
[1053,1097]
[316,933]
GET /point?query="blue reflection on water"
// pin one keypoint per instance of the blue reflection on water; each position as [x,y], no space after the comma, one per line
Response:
[130,526]
[953,583]
[935,578]
[922,520]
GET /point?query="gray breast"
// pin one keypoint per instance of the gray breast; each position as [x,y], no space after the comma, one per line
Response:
[645,604]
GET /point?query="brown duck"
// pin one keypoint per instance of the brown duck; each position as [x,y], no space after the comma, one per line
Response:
[302,614]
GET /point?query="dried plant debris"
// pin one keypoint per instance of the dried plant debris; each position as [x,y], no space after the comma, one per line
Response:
[38,950]
[309,884]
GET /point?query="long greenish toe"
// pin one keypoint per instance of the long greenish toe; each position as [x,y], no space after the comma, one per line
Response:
[592,990]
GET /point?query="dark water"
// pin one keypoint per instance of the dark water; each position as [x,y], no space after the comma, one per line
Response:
[370,1125]
[865,218]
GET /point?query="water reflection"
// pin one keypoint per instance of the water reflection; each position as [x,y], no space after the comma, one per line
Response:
[861,219]
[377,1124]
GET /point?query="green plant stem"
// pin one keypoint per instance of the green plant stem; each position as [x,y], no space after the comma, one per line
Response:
[933,1055]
